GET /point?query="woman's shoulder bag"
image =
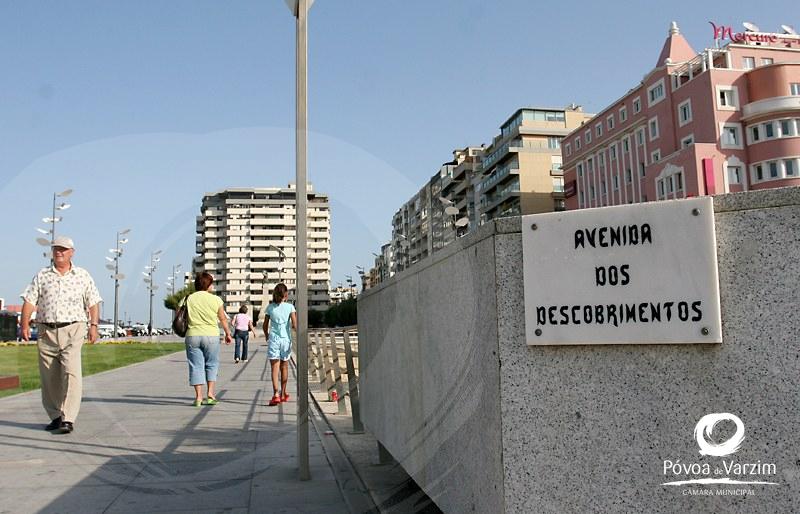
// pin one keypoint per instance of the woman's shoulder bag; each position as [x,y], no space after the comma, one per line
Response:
[180,323]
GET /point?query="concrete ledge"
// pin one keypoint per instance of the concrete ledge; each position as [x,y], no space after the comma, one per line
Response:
[761,199]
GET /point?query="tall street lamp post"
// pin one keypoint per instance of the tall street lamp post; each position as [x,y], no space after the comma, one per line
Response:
[176,269]
[117,276]
[299,9]
[151,285]
[52,220]
[280,264]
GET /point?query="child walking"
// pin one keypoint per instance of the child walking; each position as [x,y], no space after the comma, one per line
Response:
[280,314]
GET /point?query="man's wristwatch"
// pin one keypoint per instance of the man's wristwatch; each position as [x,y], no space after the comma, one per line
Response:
[92,324]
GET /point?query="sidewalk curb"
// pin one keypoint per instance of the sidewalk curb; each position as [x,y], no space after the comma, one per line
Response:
[358,496]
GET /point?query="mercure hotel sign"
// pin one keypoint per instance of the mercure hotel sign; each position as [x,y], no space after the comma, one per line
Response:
[630,274]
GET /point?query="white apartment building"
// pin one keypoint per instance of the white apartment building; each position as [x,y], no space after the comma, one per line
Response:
[246,240]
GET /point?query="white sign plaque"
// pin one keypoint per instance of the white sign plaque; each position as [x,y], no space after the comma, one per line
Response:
[631,274]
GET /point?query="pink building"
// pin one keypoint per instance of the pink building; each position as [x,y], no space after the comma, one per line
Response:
[723,120]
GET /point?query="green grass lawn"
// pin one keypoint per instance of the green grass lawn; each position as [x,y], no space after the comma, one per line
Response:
[23,360]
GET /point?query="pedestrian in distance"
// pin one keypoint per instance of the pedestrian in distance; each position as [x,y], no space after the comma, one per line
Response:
[206,313]
[65,298]
[281,315]
[242,326]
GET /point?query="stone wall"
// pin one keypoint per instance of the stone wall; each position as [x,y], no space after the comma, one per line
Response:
[483,421]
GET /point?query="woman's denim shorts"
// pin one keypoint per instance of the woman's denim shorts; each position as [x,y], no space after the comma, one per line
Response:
[202,352]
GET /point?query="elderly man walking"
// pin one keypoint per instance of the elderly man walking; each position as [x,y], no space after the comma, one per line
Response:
[65,298]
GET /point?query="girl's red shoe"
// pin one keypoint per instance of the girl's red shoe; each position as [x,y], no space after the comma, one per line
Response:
[276,400]
[285,398]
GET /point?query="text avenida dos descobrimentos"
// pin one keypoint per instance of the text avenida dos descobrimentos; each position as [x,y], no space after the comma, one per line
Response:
[617,275]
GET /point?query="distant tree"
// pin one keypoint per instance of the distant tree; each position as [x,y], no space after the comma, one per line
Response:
[316,319]
[172,301]
[332,316]
[348,313]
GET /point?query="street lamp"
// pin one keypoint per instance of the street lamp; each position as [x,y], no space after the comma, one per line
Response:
[117,276]
[265,283]
[176,269]
[52,220]
[299,9]
[280,264]
[151,285]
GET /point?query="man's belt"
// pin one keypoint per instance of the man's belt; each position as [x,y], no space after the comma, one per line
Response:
[57,325]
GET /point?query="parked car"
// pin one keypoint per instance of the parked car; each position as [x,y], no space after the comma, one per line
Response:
[34,333]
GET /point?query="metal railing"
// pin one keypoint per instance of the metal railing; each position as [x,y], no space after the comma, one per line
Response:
[326,349]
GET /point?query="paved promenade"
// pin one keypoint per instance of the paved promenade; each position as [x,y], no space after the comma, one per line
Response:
[139,446]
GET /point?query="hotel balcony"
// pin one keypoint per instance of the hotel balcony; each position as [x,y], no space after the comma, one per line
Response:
[767,106]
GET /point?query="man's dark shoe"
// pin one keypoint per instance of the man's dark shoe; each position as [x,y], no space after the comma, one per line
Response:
[56,423]
[65,428]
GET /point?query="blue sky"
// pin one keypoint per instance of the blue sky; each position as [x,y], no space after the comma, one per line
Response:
[141,107]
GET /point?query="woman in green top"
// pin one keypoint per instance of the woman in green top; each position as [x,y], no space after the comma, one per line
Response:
[202,337]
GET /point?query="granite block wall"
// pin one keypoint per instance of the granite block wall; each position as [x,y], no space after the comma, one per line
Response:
[486,423]
[430,375]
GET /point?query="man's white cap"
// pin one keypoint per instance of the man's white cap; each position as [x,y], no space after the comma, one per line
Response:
[63,242]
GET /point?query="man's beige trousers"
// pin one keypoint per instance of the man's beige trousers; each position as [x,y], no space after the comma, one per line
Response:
[60,369]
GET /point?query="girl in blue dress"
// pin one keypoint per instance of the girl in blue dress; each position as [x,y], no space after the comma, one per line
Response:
[281,318]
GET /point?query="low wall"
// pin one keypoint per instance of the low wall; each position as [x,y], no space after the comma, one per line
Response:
[484,422]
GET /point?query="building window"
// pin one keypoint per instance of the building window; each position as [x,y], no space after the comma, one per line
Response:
[641,169]
[773,169]
[661,194]
[687,141]
[589,165]
[731,136]
[769,130]
[610,122]
[789,167]
[767,61]
[755,134]
[628,176]
[640,137]
[577,143]
[603,187]
[599,129]
[652,125]
[615,181]
[588,136]
[734,175]
[655,156]
[568,149]
[580,169]
[678,181]
[626,145]
[581,201]
[591,192]
[685,112]
[758,173]
[553,142]
[601,159]
[748,63]
[623,111]
[637,105]
[794,88]
[612,152]
[787,128]
[727,98]
[655,93]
